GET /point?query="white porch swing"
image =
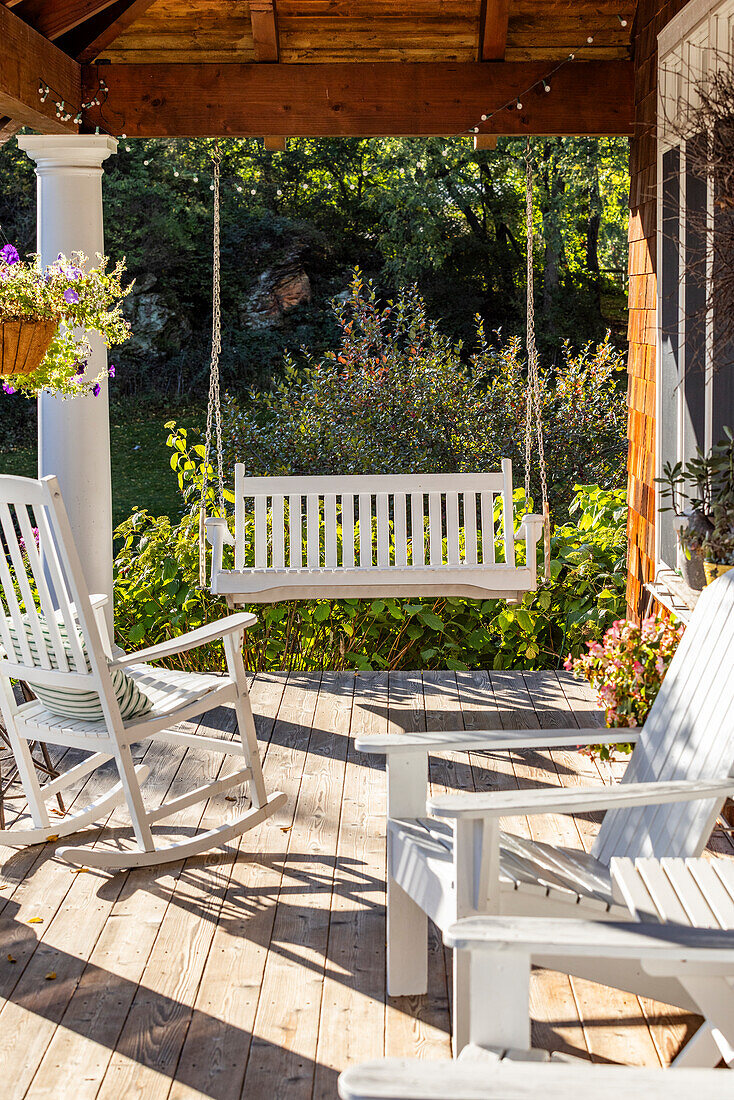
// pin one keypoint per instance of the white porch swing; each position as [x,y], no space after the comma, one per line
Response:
[370,536]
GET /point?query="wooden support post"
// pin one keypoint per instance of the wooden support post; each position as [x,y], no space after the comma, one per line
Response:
[485,141]
[275,144]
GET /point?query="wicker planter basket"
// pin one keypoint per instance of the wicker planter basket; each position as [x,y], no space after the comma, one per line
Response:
[23,345]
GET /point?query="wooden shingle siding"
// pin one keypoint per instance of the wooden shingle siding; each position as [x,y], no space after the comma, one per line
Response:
[651,17]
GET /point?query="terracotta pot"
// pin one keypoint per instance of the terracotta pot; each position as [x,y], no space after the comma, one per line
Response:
[23,345]
[712,570]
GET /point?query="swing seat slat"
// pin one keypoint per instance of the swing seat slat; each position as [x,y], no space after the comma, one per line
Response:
[363,536]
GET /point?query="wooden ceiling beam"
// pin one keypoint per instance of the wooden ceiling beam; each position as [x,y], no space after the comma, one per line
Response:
[52,18]
[8,128]
[264,20]
[26,59]
[90,39]
[588,98]
[493,23]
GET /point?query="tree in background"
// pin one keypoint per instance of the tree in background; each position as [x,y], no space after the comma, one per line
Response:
[431,211]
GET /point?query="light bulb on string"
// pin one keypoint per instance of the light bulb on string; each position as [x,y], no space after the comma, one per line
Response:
[622,22]
[546,86]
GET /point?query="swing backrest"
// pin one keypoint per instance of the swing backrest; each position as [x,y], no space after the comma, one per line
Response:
[365,522]
[688,734]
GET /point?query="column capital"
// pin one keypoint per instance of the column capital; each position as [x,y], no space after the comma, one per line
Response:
[62,151]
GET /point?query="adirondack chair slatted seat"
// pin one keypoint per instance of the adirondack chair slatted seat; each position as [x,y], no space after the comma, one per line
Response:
[53,636]
[447,857]
[393,535]
[498,1061]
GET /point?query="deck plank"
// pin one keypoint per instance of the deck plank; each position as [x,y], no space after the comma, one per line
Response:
[282,1059]
[352,1023]
[417,1024]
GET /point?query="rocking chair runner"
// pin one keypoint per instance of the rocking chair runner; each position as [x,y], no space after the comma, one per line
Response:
[395,535]
[53,637]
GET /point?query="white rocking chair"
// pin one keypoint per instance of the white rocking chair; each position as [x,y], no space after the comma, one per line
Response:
[448,859]
[53,635]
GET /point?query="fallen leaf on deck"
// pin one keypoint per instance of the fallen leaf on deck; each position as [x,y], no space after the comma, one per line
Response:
[51,975]
[36,920]
[11,959]
[230,798]
[79,870]
[286,828]
[53,836]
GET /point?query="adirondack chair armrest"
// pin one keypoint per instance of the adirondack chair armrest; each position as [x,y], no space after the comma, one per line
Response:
[573,800]
[564,936]
[485,740]
[230,624]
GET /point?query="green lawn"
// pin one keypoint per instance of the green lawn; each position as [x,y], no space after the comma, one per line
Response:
[141,472]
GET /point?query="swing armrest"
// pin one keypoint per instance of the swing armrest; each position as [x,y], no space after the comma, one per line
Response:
[530,529]
[230,624]
[219,536]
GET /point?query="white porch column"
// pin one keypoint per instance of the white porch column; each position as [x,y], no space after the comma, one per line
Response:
[74,435]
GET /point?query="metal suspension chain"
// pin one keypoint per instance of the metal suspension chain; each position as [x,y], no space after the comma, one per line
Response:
[214,412]
[532,403]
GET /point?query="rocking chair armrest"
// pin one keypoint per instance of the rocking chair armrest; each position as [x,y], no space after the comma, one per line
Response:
[485,740]
[574,800]
[569,936]
[230,624]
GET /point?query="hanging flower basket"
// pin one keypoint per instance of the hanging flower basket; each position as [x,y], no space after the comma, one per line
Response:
[23,345]
[47,316]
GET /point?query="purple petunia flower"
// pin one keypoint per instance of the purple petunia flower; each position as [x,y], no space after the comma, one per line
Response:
[111,370]
[7,388]
[96,389]
[72,272]
[71,296]
[80,367]
[9,253]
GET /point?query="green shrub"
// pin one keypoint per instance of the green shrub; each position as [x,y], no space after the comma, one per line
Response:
[396,397]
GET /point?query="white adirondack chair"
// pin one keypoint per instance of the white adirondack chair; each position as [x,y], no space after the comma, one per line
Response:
[494,1077]
[53,635]
[448,859]
[498,1061]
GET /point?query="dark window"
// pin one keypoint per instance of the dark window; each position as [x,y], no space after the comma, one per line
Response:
[669,323]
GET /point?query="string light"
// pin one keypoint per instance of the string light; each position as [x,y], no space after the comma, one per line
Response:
[543,82]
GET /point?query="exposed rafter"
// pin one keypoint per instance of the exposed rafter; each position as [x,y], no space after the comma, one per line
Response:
[493,25]
[90,39]
[26,59]
[8,128]
[52,18]
[588,98]
[264,30]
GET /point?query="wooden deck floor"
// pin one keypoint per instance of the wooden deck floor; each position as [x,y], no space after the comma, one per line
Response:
[260,972]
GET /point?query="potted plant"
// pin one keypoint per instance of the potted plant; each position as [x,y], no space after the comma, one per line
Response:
[46,318]
[701,494]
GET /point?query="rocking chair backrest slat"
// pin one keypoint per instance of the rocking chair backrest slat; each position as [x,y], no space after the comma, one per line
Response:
[435,539]
[418,548]
[383,532]
[313,549]
[689,734]
[507,523]
[470,528]
[452,528]
[40,631]
[365,531]
[348,559]
[278,531]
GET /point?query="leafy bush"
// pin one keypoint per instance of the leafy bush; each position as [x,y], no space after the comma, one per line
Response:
[396,396]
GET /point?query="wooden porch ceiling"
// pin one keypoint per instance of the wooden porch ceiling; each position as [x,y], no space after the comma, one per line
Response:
[299,67]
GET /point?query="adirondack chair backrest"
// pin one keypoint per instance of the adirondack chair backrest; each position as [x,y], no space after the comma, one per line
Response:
[689,734]
[42,641]
[367,522]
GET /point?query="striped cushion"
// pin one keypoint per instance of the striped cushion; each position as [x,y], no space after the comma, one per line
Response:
[76,702]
